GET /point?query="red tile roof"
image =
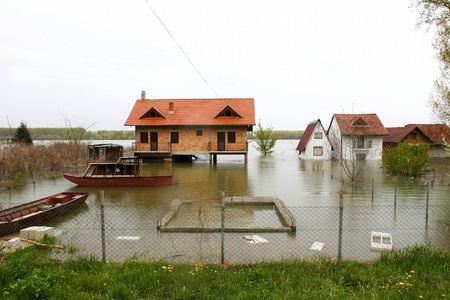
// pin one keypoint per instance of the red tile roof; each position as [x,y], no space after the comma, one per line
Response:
[397,134]
[192,112]
[371,125]
[306,135]
[436,132]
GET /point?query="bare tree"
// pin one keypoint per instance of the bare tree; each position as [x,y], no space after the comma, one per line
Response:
[436,14]
[439,100]
[76,132]
[345,154]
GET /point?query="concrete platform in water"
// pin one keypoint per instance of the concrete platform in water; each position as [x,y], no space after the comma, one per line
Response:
[287,219]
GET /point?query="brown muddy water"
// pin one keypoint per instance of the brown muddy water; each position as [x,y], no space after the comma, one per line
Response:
[311,190]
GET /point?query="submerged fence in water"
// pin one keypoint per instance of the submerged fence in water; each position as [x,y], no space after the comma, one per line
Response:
[121,232]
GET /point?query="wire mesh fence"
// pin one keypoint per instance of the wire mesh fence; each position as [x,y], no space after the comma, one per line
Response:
[246,233]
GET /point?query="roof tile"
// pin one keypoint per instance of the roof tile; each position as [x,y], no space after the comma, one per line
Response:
[192,112]
[373,127]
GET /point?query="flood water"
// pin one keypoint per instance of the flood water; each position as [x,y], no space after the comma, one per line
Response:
[306,187]
[296,182]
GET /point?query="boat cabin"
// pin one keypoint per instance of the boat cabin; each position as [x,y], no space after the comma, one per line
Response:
[125,166]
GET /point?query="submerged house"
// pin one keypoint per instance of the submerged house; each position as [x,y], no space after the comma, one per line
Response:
[314,143]
[410,134]
[438,135]
[167,128]
[356,136]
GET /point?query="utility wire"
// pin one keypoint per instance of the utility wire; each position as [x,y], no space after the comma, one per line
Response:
[173,38]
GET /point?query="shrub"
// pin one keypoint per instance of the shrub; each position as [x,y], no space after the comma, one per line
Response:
[406,159]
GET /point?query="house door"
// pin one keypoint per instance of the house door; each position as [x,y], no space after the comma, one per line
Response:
[221,141]
[153,141]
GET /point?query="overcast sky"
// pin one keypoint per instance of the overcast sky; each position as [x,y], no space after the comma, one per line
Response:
[89,60]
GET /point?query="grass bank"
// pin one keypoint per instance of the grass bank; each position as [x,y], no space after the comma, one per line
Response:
[413,273]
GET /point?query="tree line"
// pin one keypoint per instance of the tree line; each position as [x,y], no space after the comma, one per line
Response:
[57,134]
[282,134]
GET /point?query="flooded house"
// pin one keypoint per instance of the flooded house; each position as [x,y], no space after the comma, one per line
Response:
[356,136]
[438,134]
[314,143]
[185,128]
[410,134]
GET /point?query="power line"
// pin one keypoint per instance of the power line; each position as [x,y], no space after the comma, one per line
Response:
[179,46]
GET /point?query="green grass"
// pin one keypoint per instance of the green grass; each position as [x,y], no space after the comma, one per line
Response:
[420,271]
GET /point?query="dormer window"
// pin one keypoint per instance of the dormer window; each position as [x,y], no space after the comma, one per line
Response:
[359,122]
[152,113]
[228,112]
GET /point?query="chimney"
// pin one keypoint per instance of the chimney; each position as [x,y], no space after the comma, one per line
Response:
[143,95]
[171,108]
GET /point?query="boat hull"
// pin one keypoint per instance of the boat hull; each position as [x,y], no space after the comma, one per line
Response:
[107,181]
[29,214]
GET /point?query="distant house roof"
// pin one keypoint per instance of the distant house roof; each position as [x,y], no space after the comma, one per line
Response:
[436,132]
[170,112]
[397,134]
[306,135]
[359,124]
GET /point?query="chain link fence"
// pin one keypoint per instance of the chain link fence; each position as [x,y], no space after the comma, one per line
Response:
[246,233]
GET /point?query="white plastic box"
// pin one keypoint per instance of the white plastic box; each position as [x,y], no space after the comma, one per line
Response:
[381,241]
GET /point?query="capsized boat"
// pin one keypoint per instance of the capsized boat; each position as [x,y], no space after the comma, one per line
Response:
[125,172]
[37,212]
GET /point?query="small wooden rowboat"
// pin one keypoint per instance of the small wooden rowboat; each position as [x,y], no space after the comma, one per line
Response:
[125,172]
[36,212]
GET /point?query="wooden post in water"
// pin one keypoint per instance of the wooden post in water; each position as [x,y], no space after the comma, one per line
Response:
[222,234]
[341,213]
[102,224]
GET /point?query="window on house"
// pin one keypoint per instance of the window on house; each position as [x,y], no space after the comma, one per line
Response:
[317,151]
[414,135]
[144,137]
[360,156]
[174,137]
[360,142]
[369,144]
[199,132]
[232,137]
[318,135]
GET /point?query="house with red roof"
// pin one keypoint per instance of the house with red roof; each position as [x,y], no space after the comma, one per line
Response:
[438,135]
[410,134]
[167,128]
[314,143]
[356,136]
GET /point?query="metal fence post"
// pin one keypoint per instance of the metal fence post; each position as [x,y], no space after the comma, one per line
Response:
[341,213]
[222,232]
[373,188]
[395,195]
[428,201]
[102,224]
